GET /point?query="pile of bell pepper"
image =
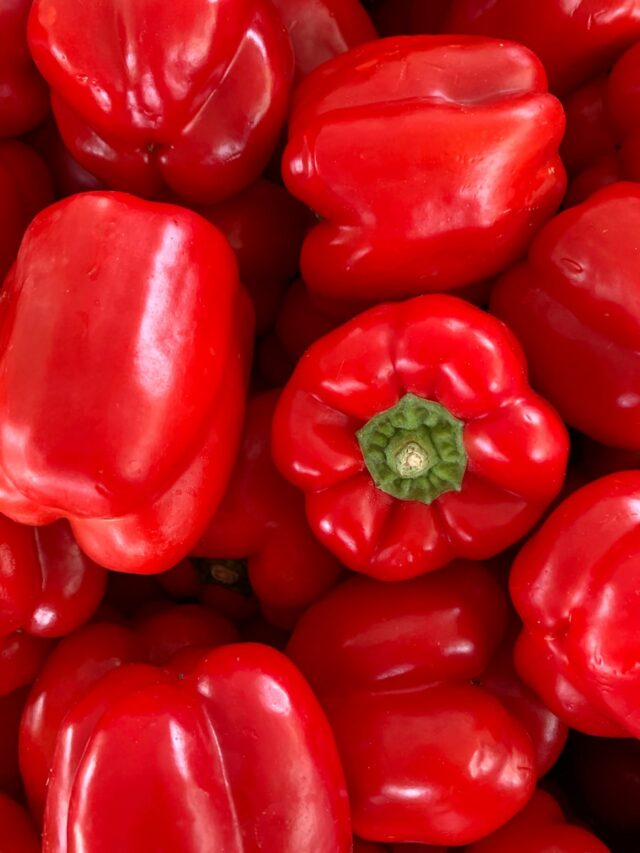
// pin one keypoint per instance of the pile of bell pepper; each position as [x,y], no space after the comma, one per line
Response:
[320,426]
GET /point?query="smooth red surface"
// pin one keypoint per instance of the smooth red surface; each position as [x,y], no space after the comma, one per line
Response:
[17,833]
[11,707]
[265,227]
[127,400]
[80,660]
[435,749]
[21,659]
[467,117]
[24,100]
[25,189]
[575,40]
[575,306]
[442,349]
[322,29]
[190,97]
[262,519]
[575,584]
[235,756]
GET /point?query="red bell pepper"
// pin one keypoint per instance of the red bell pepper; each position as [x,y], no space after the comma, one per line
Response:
[25,188]
[261,527]
[235,756]
[575,306]
[416,438]
[17,833]
[432,751]
[575,584]
[48,588]
[192,97]
[68,176]
[220,584]
[265,227]
[24,98]
[121,405]
[322,29]
[80,660]
[432,161]
[404,17]
[575,40]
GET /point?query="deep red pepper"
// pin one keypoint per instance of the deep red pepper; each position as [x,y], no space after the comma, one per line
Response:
[433,752]
[575,306]
[575,41]
[235,756]
[21,659]
[25,189]
[68,176]
[416,438]
[265,227]
[24,98]
[418,154]
[17,833]
[11,707]
[127,400]
[575,585]
[261,520]
[204,124]
[229,593]
[80,660]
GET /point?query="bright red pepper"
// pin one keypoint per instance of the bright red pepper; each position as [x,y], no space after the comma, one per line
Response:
[17,833]
[265,227]
[575,40]
[576,586]
[192,96]
[48,588]
[80,660]
[432,161]
[25,188]
[322,29]
[416,438]
[24,98]
[121,405]
[260,527]
[433,752]
[575,306]
[235,756]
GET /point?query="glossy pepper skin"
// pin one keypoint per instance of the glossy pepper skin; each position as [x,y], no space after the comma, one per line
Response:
[235,756]
[575,585]
[265,227]
[431,161]
[129,399]
[432,753]
[25,189]
[48,588]
[575,41]
[80,660]
[18,834]
[416,438]
[575,306]
[322,29]
[261,524]
[192,97]
[24,99]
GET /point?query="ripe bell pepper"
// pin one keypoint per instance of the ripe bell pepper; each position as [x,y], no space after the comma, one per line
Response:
[11,707]
[575,40]
[575,306]
[575,584]
[24,99]
[191,96]
[17,833]
[431,160]
[48,588]
[235,756]
[25,188]
[436,749]
[416,438]
[121,406]
[260,527]
[81,659]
